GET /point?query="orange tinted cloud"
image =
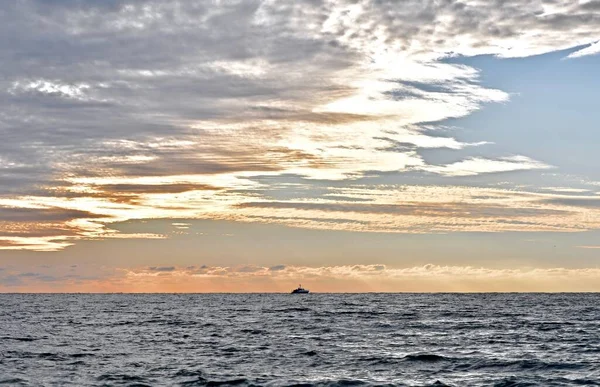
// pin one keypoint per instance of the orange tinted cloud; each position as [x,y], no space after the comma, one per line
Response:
[281,278]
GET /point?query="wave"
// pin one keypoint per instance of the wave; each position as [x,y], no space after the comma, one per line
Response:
[292,309]
[331,383]
[226,382]
[122,378]
[514,382]
[522,365]
[426,357]
[438,383]
[25,339]
[13,381]
[253,331]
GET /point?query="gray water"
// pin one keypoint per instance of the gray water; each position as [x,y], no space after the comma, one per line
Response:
[315,339]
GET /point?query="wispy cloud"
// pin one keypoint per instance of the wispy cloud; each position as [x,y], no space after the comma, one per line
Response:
[592,49]
[478,165]
[354,207]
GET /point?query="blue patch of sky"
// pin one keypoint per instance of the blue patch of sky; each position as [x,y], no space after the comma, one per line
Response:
[553,114]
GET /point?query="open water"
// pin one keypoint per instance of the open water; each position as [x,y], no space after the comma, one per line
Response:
[314,339]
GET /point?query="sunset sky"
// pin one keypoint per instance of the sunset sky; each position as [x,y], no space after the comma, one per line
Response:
[240,146]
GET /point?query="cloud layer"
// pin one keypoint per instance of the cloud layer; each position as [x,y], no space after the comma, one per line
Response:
[281,278]
[151,109]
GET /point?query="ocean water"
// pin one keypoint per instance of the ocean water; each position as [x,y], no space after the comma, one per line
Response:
[314,339]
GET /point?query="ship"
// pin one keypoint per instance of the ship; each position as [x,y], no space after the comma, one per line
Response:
[299,290]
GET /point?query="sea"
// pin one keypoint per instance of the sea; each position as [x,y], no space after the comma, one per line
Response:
[300,340]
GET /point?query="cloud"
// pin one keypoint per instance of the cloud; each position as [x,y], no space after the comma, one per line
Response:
[420,278]
[158,188]
[197,97]
[566,190]
[48,88]
[345,278]
[585,202]
[162,268]
[34,242]
[340,278]
[427,209]
[592,49]
[15,214]
[355,207]
[53,278]
[478,165]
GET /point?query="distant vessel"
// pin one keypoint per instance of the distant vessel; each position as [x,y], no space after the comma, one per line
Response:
[300,290]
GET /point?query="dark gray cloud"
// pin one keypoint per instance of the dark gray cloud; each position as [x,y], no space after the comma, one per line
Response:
[247,269]
[29,274]
[593,5]
[11,280]
[162,268]
[50,215]
[51,275]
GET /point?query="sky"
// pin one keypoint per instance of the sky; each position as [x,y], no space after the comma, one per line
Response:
[248,146]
